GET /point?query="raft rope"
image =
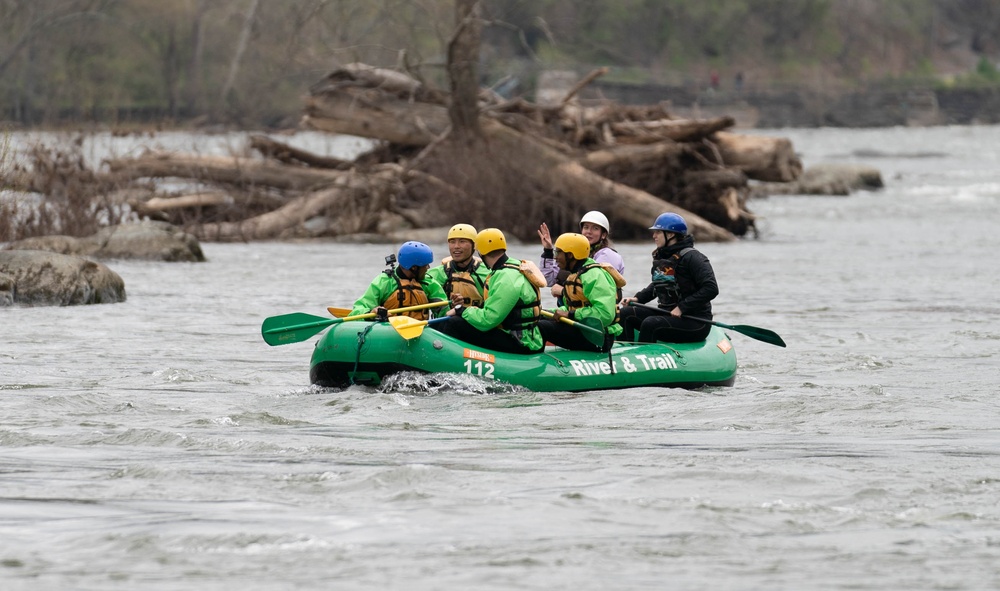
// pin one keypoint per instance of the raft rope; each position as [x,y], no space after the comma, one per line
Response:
[361,343]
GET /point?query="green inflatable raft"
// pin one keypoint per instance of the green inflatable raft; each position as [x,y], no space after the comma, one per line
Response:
[367,352]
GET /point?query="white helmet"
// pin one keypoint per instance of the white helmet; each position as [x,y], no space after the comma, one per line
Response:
[596,217]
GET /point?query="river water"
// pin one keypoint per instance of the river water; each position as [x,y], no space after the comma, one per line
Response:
[160,444]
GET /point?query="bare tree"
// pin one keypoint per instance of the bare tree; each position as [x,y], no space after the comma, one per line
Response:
[28,19]
[463,56]
[241,47]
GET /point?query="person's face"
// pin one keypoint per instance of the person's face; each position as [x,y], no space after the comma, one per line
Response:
[419,272]
[562,260]
[659,238]
[460,249]
[593,232]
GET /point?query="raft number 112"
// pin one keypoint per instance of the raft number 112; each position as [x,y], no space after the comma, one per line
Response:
[479,363]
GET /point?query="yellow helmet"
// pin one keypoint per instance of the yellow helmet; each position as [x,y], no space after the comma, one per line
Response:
[489,240]
[462,231]
[574,244]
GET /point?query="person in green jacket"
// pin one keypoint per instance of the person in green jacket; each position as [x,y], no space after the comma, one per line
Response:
[402,285]
[590,297]
[508,320]
[462,272]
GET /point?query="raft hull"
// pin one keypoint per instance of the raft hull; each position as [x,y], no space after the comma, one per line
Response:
[338,361]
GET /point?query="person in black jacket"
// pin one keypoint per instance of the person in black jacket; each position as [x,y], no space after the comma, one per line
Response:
[683,284]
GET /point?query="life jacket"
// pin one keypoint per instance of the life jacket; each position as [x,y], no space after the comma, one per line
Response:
[668,293]
[409,292]
[516,321]
[573,294]
[465,283]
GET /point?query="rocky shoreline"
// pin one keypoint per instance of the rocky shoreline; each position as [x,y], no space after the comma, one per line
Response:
[874,107]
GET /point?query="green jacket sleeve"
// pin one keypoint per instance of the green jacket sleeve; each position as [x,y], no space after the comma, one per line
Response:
[377,291]
[504,295]
[600,290]
[383,285]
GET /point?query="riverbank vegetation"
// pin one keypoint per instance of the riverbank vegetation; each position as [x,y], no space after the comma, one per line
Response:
[246,63]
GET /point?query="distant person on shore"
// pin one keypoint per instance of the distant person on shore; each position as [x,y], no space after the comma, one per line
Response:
[508,319]
[738,82]
[402,285]
[595,227]
[591,294]
[713,79]
[461,273]
[683,283]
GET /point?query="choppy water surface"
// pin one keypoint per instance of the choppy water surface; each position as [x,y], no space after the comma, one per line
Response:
[160,444]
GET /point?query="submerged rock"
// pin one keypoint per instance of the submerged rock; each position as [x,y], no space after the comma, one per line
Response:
[39,278]
[147,240]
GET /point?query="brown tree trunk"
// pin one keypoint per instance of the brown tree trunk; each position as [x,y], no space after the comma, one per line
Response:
[463,57]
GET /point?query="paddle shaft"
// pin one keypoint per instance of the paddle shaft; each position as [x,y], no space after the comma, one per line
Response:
[342,312]
[761,334]
[595,336]
[572,322]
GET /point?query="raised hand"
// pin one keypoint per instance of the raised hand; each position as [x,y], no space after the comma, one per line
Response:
[545,236]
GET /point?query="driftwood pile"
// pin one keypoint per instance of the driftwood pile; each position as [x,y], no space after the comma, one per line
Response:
[526,163]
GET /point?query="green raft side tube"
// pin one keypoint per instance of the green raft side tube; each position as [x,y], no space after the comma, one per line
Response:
[337,359]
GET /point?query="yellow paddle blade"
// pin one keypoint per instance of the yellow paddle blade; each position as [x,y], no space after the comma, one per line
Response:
[407,327]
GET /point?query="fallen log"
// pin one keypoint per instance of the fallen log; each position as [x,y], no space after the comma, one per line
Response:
[241,172]
[352,204]
[188,201]
[619,158]
[679,130]
[372,114]
[762,158]
[567,182]
[383,117]
[291,155]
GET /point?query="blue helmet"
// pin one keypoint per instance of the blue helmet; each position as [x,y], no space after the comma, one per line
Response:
[414,254]
[670,222]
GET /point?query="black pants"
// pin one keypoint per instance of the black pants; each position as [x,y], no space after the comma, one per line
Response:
[570,337]
[656,326]
[493,339]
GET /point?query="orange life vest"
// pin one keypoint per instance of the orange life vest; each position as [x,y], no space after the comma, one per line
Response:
[465,283]
[409,292]
[573,294]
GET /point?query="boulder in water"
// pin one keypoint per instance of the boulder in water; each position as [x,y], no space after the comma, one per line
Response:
[147,240]
[39,278]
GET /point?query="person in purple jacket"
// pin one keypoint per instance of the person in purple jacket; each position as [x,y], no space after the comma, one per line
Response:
[595,226]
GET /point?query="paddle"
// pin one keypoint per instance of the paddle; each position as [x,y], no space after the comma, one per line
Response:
[297,327]
[411,328]
[594,335]
[342,312]
[761,334]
